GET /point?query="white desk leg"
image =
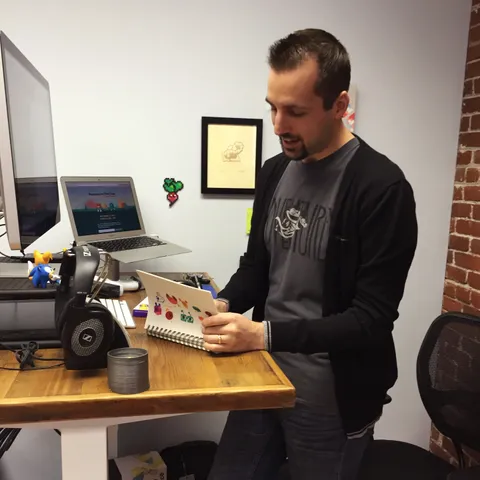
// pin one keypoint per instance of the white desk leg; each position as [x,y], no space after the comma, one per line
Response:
[84,453]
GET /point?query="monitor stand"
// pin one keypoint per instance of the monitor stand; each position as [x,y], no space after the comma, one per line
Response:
[128,284]
[114,270]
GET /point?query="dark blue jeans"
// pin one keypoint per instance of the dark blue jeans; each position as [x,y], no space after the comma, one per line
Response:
[256,443]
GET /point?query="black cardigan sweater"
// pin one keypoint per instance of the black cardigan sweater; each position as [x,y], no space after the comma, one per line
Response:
[370,249]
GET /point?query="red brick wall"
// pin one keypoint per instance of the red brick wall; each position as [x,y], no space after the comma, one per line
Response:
[462,277]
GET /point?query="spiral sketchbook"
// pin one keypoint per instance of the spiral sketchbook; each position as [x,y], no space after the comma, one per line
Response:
[175,311]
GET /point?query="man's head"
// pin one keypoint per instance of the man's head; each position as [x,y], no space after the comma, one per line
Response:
[307,90]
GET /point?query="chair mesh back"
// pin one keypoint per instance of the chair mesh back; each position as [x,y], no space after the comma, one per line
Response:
[448,374]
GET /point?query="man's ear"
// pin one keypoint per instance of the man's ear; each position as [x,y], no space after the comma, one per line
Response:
[341,104]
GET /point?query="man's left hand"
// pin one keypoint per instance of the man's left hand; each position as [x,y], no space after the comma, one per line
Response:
[231,332]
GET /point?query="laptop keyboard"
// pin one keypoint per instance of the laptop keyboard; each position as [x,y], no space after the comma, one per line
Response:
[122,244]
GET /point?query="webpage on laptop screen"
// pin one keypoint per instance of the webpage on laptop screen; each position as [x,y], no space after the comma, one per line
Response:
[103,207]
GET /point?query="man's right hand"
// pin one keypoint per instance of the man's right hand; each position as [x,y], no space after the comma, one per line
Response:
[222,307]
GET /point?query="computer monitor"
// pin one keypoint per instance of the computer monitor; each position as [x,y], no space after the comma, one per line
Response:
[29,187]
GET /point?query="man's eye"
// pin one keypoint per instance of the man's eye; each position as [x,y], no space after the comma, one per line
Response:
[297,114]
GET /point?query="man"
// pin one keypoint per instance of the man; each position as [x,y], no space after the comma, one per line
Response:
[332,239]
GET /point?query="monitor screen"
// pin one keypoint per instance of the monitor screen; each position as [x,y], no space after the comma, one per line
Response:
[102,207]
[32,145]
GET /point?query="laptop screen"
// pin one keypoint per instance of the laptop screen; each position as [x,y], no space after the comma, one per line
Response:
[102,207]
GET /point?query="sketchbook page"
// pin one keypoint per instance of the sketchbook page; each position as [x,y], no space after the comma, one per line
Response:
[174,306]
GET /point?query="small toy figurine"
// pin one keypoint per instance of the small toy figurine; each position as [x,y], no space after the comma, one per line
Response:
[42,258]
[42,273]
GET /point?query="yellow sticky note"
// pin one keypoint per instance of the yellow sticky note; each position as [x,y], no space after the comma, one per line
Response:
[249,220]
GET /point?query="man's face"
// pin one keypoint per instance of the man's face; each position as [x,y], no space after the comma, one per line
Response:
[304,127]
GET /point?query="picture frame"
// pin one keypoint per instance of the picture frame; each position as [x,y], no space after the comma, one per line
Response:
[231,155]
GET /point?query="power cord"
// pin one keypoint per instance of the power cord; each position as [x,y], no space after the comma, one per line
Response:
[26,357]
[102,275]
[2,235]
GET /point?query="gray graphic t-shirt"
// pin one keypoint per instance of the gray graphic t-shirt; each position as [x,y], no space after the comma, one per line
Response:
[296,235]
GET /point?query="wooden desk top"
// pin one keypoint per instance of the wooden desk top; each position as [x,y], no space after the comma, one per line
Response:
[182,380]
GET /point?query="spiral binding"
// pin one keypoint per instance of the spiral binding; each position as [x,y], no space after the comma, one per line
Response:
[178,337]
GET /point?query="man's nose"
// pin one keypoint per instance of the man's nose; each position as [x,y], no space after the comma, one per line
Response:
[280,124]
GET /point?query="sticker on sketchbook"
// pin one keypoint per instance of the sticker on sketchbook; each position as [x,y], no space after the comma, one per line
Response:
[184,303]
[196,308]
[157,307]
[168,314]
[184,317]
[172,187]
[171,299]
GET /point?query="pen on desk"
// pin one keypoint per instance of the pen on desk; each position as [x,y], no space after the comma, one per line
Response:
[197,282]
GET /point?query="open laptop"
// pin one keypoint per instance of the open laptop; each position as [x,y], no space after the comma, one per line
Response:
[104,212]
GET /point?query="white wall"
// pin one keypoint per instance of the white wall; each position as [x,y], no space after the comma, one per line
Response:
[131,79]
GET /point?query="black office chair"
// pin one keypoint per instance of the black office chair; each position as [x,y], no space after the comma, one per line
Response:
[448,377]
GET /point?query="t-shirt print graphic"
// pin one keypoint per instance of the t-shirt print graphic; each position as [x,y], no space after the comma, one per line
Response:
[292,222]
[297,227]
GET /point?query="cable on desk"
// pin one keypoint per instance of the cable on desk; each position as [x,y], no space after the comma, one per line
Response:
[102,275]
[2,235]
[25,356]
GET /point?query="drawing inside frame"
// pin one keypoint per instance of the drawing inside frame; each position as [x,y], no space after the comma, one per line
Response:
[231,155]
[349,117]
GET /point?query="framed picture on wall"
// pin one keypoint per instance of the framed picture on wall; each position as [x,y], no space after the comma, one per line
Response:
[231,155]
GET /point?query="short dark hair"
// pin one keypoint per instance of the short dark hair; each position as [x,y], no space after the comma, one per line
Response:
[333,61]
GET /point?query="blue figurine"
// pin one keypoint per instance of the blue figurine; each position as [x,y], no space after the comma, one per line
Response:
[42,273]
